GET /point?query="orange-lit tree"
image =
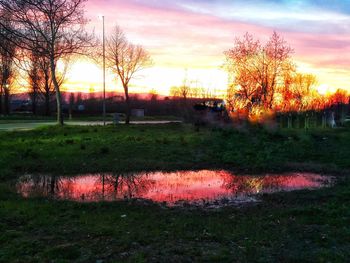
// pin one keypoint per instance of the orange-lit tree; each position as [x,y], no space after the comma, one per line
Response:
[258,70]
[264,79]
[297,92]
[126,60]
[339,97]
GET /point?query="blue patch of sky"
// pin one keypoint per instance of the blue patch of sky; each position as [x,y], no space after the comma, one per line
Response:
[290,15]
[310,16]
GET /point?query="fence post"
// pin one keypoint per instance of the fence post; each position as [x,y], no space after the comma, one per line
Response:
[289,122]
[324,120]
[306,126]
[297,123]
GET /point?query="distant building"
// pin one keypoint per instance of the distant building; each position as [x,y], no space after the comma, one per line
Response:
[138,113]
[20,105]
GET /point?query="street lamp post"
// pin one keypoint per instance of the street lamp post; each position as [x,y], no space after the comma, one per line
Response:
[104,68]
[6,99]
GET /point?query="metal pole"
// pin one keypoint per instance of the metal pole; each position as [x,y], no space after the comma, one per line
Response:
[104,73]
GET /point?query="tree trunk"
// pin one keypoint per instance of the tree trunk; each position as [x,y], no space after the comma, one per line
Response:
[34,106]
[59,105]
[58,93]
[34,100]
[128,109]
[7,101]
[1,104]
[47,104]
[47,97]
[70,112]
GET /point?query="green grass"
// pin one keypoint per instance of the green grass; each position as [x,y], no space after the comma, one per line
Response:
[303,226]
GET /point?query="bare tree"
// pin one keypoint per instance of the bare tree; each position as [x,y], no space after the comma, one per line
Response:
[54,28]
[126,60]
[183,91]
[7,55]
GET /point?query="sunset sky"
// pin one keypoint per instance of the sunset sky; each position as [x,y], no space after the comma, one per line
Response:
[193,34]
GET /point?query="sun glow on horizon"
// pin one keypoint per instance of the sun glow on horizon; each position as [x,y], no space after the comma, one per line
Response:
[85,76]
[325,89]
[187,44]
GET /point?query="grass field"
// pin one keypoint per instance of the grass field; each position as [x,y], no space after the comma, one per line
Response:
[303,226]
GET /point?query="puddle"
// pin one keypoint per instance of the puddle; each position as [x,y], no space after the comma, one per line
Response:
[203,188]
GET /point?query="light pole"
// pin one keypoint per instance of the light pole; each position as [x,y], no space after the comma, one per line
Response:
[104,68]
[6,101]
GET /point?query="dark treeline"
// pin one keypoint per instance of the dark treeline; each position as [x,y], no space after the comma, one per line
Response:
[168,106]
[76,105]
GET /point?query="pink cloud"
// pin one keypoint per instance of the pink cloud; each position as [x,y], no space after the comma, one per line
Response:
[181,37]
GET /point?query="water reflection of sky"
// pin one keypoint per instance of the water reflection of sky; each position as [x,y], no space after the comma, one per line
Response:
[189,186]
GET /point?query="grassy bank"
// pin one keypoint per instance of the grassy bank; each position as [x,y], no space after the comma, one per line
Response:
[70,150]
[307,226]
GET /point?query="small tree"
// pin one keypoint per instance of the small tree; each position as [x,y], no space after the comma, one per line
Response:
[183,92]
[153,95]
[126,60]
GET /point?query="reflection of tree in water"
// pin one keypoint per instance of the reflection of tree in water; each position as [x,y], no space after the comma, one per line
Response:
[255,184]
[86,188]
[126,185]
[159,187]
[40,185]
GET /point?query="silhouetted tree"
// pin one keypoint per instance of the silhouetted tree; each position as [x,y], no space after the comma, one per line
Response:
[126,60]
[46,87]
[71,104]
[54,28]
[153,95]
[34,76]
[183,91]
[7,55]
